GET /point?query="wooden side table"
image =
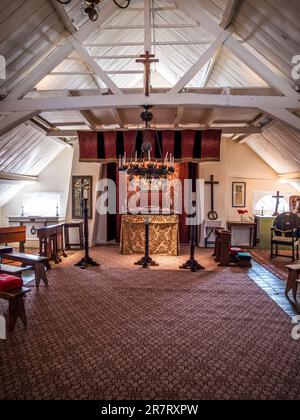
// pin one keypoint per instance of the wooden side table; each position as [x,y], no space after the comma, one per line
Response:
[293,280]
[73,225]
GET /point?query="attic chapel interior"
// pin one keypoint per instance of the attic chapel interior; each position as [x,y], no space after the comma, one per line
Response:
[149,201]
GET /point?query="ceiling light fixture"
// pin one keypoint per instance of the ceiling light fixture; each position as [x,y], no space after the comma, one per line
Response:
[90,8]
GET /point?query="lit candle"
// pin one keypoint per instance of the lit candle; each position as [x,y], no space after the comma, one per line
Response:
[149,156]
[136,157]
[166,158]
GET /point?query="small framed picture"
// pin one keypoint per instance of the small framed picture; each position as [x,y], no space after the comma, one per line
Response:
[239,194]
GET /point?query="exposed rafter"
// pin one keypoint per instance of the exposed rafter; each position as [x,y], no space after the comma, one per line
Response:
[13,120]
[18,178]
[209,53]
[64,17]
[155,99]
[84,54]
[283,115]
[225,130]
[147,26]
[57,56]
[229,12]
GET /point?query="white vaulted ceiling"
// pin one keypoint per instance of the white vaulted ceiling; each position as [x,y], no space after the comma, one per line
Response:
[42,64]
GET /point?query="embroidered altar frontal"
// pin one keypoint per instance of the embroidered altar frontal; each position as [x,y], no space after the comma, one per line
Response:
[184,145]
[163,235]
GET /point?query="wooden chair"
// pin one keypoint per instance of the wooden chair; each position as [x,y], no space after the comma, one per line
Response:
[286,232]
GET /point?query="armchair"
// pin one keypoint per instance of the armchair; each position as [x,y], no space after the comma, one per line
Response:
[286,232]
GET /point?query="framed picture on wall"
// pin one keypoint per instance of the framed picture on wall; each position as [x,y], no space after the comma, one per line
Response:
[79,184]
[239,194]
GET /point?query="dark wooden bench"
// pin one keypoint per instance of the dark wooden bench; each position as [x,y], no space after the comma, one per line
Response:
[35,261]
[16,307]
[10,235]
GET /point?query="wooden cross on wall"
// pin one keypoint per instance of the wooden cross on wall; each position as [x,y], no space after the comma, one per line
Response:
[147,59]
[212,215]
[277,197]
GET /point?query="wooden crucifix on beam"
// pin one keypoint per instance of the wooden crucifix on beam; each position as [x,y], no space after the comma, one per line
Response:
[147,59]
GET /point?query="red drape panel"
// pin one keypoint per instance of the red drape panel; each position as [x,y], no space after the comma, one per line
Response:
[168,142]
[211,145]
[129,142]
[188,141]
[88,145]
[110,144]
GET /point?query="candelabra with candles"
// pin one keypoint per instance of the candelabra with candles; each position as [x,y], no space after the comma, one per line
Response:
[86,261]
[147,168]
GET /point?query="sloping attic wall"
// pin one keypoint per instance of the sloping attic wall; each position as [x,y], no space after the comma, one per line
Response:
[279,146]
[24,151]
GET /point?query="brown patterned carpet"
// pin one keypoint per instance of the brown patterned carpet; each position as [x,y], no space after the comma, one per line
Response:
[277,265]
[130,333]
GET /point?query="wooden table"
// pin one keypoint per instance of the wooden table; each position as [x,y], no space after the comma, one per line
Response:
[247,234]
[52,243]
[73,225]
[163,232]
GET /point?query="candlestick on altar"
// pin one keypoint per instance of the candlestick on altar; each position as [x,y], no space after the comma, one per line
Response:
[166,158]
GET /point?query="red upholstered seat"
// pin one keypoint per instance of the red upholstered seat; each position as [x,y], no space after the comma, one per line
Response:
[9,283]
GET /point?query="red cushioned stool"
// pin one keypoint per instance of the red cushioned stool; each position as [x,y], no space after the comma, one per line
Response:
[12,290]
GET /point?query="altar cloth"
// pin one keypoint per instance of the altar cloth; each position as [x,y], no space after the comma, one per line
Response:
[163,234]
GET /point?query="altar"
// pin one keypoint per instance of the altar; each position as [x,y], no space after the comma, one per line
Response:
[164,235]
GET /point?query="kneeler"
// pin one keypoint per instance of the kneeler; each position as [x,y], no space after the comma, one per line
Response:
[225,257]
[217,248]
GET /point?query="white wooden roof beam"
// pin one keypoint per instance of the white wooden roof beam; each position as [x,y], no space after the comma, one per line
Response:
[84,54]
[147,25]
[17,178]
[208,54]
[155,99]
[283,115]
[193,9]
[61,53]
[225,130]
[64,17]
[229,12]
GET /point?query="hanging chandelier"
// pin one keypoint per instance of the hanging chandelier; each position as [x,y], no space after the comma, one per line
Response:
[144,167]
[90,8]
